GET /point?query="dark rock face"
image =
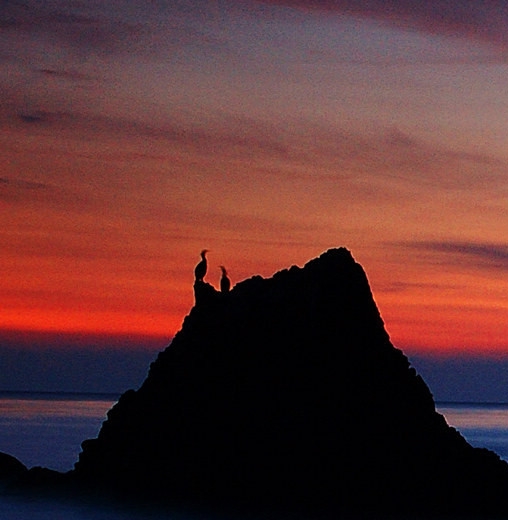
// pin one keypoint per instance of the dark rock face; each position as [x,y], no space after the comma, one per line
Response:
[10,467]
[287,392]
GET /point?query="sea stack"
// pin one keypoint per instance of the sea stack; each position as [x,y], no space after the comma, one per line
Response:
[287,393]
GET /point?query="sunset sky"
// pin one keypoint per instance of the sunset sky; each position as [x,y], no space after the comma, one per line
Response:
[135,133]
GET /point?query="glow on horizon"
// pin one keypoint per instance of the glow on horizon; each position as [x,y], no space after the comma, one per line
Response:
[134,137]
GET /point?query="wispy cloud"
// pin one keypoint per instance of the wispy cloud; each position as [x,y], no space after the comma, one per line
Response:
[235,136]
[483,21]
[395,157]
[48,118]
[98,28]
[390,157]
[20,184]
[486,256]
[70,75]
[32,118]
[26,193]
[401,286]
[67,24]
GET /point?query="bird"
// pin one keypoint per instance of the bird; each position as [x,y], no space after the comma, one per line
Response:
[200,269]
[225,282]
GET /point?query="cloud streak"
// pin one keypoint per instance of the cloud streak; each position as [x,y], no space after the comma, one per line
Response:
[482,21]
[70,75]
[32,196]
[219,137]
[142,28]
[59,20]
[306,151]
[19,184]
[484,256]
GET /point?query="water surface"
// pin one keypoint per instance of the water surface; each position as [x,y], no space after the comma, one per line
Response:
[484,425]
[48,429]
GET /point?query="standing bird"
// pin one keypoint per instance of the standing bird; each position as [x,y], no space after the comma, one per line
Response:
[200,270]
[225,282]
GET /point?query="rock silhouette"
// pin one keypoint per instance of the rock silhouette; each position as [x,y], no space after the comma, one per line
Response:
[289,394]
[10,467]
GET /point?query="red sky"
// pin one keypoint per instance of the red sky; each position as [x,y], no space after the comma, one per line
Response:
[135,135]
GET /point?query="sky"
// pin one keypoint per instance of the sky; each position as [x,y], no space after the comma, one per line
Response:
[136,133]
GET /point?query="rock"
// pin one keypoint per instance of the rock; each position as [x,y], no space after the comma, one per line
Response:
[39,477]
[287,392]
[10,467]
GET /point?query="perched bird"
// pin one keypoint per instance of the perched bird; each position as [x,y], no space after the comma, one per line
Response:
[225,282]
[200,270]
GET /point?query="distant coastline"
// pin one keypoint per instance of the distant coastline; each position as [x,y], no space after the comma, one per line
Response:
[472,404]
[114,396]
[59,396]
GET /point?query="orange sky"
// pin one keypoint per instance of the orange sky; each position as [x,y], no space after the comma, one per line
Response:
[135,136]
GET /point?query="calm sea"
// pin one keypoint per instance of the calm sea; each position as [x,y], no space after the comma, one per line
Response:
[484,425]
[47,430]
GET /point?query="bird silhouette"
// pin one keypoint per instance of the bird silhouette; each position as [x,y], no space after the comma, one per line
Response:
[225,282]
[201,268]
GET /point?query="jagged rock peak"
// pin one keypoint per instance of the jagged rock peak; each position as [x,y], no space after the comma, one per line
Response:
[326,266]
[287,391]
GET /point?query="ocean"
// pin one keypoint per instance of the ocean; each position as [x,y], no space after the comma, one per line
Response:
[47,430]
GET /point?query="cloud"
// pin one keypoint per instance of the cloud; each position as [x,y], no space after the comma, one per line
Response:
[46,117]
[20,184]
[29,196]
[486,256]
[70,75]
[65,23]
[395,158]
[433,165]
[296,150]
[482,21]
[27,193]
[35,117]
[402,286]
[236,136]
[123,27]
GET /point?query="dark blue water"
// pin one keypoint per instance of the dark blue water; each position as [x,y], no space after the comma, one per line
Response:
[47,430]
[12,508]
[483,425]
